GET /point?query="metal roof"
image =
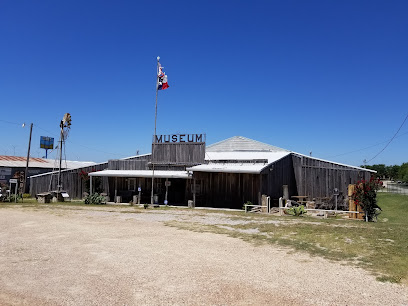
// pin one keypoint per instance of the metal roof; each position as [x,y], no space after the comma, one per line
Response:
[239,143]
[269,157]
[238,162]
[141,173]
[20,162]
[340,164]
[230,168]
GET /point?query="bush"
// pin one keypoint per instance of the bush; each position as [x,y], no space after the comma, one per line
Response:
[296,211]
[11,198]
[95,198]
[249,208]
[26,195]
[365,195]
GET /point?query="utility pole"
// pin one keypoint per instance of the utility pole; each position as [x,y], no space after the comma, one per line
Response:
[28,159]
[59,186]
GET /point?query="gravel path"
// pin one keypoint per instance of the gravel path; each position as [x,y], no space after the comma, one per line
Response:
[101,256]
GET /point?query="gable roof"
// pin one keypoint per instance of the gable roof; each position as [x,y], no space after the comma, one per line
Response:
[34,162]
[242,144]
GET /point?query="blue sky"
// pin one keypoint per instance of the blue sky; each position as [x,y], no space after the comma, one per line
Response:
[323,76]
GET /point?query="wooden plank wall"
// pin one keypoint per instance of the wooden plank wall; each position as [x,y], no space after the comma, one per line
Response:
[179,153]
[276,175]
[71,181]
[135,164]
[226,190]
[316,178]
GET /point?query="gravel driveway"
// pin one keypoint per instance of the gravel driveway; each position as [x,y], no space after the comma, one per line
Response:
[102,256]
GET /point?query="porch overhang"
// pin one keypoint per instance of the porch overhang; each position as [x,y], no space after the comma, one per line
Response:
[141,173]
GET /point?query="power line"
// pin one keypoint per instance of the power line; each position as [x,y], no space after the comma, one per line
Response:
[365,148]
[406,117]
[9,122]
[56,136]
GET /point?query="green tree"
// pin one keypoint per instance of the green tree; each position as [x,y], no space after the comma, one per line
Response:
[393,171]
[380,168]
[403,172]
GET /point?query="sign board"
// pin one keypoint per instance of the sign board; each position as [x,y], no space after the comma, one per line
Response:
[13,181]
[139,189]
[5,171]
[65,195]
[180,138]
[46,142]
[178,149]
[167,183]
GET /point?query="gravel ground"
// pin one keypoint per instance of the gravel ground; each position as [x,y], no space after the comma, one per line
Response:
[100,256]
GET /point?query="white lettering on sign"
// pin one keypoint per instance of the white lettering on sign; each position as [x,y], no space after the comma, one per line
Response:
[180,138]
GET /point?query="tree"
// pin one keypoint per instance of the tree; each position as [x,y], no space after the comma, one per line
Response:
[393,171]
[403,172]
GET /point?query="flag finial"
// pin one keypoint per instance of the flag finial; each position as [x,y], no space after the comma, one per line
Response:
[158,58]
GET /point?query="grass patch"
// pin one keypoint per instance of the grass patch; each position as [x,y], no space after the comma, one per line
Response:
[381,247]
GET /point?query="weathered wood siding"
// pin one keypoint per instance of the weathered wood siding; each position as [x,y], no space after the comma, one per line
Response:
[276,175]
[179,153]
[71,181]
[227,190]
[316,178]
[135,164]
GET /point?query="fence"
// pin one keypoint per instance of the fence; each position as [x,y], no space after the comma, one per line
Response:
[394,188]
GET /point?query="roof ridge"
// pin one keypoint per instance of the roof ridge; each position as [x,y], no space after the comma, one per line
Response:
[242,144]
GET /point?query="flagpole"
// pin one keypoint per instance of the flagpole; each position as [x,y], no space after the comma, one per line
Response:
[154,136]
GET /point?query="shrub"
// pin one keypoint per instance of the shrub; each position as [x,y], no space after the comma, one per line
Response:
[249,208]
[296,211]
[365,195]
[95,198]
[11,198]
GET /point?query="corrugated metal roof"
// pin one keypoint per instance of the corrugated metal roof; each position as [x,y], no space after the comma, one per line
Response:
[270,157]
[20,162]
[141,173]
[239,143]
[230,168]
[328,161]
[238,162]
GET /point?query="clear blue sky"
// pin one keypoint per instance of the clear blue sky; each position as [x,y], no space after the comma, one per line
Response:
[329,77]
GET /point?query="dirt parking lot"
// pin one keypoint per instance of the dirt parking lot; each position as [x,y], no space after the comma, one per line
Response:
[114,256]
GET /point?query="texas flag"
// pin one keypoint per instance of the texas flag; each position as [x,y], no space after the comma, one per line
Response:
[162,79]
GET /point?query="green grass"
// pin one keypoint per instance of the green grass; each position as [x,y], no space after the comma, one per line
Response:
[381,247]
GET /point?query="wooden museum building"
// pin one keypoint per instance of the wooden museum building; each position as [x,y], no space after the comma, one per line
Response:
[226,174]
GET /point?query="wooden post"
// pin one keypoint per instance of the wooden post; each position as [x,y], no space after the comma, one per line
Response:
[280,206]
[194,192]
[116,189]
[167,191]
[285,190]
[352,205]
[90,185]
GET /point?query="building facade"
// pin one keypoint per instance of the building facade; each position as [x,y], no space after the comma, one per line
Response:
[226,174]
